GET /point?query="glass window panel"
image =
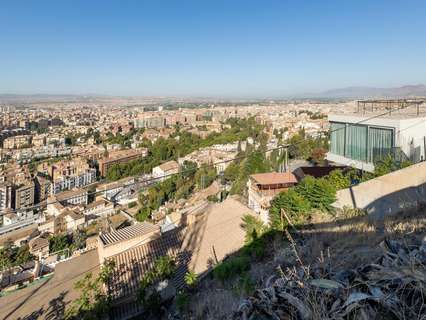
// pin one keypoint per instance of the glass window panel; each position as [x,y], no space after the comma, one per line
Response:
[337,138]
[356,142]
[380,143]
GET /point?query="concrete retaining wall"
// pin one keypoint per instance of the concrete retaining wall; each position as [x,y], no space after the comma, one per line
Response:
[389,194]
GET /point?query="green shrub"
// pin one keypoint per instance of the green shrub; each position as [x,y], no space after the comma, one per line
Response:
[294,205]
[339,180]
[253,227]
[131,205]
[320,193]
[231,268]
[191,279]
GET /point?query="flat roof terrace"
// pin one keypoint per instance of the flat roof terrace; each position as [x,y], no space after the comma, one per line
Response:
[393,108]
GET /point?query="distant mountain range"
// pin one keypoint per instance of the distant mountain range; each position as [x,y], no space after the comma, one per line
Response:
[340,93]
[370,92]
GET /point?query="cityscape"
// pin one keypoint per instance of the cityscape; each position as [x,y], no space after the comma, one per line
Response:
[210,198]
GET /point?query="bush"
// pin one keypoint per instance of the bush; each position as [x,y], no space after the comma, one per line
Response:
[191,279]
[253,227]
[231,268]
[131,205]
[294,205]
[319,192]
[338,180]
[213,198]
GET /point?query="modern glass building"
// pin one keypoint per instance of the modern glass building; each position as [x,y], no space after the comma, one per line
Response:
[359,142]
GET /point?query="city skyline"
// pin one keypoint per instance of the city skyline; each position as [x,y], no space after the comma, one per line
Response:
[215,49]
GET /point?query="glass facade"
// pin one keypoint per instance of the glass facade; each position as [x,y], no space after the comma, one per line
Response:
[360,142]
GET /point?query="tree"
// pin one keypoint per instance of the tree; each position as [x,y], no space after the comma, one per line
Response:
[93,302]
[58,242]
[163,268]
[320,193]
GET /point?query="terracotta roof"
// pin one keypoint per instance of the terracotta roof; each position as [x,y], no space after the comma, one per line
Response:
[170,165]
[133,263]
[128,233]
[38,243]
[274,177]
[216,235]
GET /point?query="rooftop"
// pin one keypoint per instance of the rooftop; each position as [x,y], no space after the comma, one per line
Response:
[127,233]
[170,165]
[274,178]
[396,109]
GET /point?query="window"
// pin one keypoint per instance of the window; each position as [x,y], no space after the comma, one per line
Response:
[356,142]
[338,138]
[360,142]
[380,143]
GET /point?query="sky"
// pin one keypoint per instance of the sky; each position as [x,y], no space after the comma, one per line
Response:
[209,48]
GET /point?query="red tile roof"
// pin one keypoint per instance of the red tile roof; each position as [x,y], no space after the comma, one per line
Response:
[274,178]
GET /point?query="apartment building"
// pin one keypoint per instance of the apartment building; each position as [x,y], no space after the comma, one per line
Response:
[150,121]
[17,142]
[17,189]
[68,174]
[120,156]
[74,196]
[6,195]
[24,195]
[43,188]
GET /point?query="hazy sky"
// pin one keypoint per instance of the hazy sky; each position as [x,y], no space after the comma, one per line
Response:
[209,47]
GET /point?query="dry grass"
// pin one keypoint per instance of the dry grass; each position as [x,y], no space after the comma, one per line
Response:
[346,241]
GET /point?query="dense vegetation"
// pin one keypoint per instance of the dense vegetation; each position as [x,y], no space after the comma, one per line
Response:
[182,143]
[175,188]
[11,255]
[63,241]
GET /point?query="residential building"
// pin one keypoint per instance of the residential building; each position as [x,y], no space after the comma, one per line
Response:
[39,247]
[43,188]
[362,138]
[150,121]
[6,195]
[24,195]
[112,191]
[68,174]
[263,187]
[17,142]
[99,208]
[120,156]
[163,170]
[110,244]
[74,196]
